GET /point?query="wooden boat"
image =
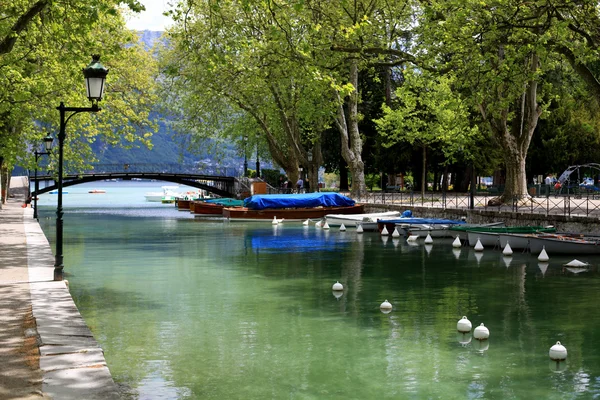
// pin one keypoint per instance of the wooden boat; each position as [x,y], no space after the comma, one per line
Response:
[490,236]
[96,191]
[565,244]
[368,221]
[183,204]
[212,207]
[292,207]
[448,231]
[517,241]
[288,214]
[403,225]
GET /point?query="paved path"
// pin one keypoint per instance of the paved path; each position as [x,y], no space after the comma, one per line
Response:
[46,349]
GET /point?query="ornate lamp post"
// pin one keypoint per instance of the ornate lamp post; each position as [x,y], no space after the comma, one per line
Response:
[95,75]
[48,146]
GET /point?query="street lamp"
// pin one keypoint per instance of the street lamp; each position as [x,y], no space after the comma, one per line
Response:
[48,146]
[245,157]
[95,76]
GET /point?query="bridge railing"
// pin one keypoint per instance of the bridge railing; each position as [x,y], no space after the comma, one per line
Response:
[173,168]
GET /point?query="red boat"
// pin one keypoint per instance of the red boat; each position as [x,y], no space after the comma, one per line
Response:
[203,209]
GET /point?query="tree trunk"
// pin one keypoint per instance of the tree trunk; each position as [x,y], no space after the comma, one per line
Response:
[515,139]
[350,135]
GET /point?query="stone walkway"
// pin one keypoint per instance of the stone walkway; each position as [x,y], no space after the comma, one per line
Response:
[46,349]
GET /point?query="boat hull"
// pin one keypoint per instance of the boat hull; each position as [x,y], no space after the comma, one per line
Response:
[203,209]
[487,239]
[563,245]
[516,241]
[353,220]
[287,214]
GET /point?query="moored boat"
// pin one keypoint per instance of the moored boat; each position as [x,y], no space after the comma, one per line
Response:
[405,224]
[490,236]
[368,221]
[292,207]
[213,207]
[97,191]
[168,195]
[564,244]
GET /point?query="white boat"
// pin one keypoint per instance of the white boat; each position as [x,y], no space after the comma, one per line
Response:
[168,195]
[564,244]
[517,241]
[487,239]
[367,220]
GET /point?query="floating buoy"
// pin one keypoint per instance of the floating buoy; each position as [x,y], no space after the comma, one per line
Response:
[325,225]
[558,352]
[395,233]
[386,305]
[457,244]
[412,238]
[428,239]
[319,223]
[478,245]
[342,227]
[543,257]
[464,325]
[384,231]
[337,286]
[305,222]
[481,332]
[507,250]
[543,267]
[359,229]
[576,263]
[274,221]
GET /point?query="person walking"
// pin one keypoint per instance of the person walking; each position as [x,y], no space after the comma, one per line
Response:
[299,185]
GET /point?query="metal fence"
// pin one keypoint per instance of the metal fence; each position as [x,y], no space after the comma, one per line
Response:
[582,204]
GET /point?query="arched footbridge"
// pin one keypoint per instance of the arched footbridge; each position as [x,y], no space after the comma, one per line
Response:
[219,184]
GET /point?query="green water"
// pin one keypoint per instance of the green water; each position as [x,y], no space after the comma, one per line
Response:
[185,308]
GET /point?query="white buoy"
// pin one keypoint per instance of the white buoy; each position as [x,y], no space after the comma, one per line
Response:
[543,257]
[478,245]
[558,352]
[456,244]
[481,332]
[576,263]
[319,223]
[359,229]
[342,227]
[305,223]
[386,305]
[428,239]
[337,293]
[325,225]
[274,221]
[507,250]
[412,238]
[543,267]
[395,234]
[337,286]
[384,231]
[464,325]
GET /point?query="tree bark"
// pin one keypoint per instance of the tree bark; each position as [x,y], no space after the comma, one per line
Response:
[350,135]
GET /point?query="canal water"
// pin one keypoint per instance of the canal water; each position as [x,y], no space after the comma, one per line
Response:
[193,309]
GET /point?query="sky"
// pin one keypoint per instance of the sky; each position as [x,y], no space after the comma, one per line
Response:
[151,19]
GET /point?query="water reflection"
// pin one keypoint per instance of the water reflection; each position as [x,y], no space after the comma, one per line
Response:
[213,310]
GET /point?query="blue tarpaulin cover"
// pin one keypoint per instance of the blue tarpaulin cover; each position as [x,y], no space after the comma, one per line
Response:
[266,201]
